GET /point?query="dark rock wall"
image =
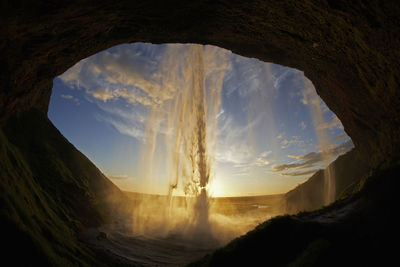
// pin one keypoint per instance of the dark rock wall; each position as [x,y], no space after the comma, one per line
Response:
[349,49]
[50,193]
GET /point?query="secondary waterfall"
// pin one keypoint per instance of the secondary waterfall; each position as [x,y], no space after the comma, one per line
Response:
[316,111]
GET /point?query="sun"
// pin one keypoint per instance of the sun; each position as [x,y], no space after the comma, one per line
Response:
[217,187]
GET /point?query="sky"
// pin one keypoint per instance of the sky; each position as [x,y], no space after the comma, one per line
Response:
[272,131]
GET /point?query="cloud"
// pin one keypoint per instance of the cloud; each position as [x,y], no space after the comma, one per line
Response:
[312,158]
[262,159]
[103,94]
[233,143]
[283,167]
[265,154]
[67,96]
[220,113]
[280,136]
[234,146]
[282,75]
[142,76]
[124,74]
[129,128]
[285,143]
[341,148]
[299,173]
[309,95]
[259,161]
[341,137]
[334,123]
[132,96]
[324,107]
[243,171]
[249,76]
[141,73]
[123,113]
[72,98]
[318,107]
[236,153]
[117,177]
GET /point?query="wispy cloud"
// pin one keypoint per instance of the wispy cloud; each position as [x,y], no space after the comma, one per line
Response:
[72,98]
[341,137]
[263,159]
[237,154]
[249,76]
[66,96]
[130,128]
[299,173]
[118,177]
[134,73]
[311,99]
[295,140]
[309,160]
[334,123]
[280,136]
[243,171]
[125,74]
[234,144]
[281,76]
[142,76]
[309,96]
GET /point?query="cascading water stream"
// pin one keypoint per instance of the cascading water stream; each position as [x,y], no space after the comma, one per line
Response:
[189,120]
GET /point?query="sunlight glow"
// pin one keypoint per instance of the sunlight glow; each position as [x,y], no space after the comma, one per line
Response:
[266,138]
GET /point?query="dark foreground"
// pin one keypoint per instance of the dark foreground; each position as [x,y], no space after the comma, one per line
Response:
[356,231]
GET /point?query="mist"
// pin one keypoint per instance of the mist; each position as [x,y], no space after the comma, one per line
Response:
[184,129]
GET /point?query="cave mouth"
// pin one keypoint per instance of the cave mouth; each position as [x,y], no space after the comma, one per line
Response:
[135,110]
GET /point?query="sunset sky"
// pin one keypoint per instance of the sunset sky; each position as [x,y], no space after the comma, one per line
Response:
[270,122]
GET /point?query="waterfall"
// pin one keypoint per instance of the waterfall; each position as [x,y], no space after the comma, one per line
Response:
[316,111]
[188,122]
